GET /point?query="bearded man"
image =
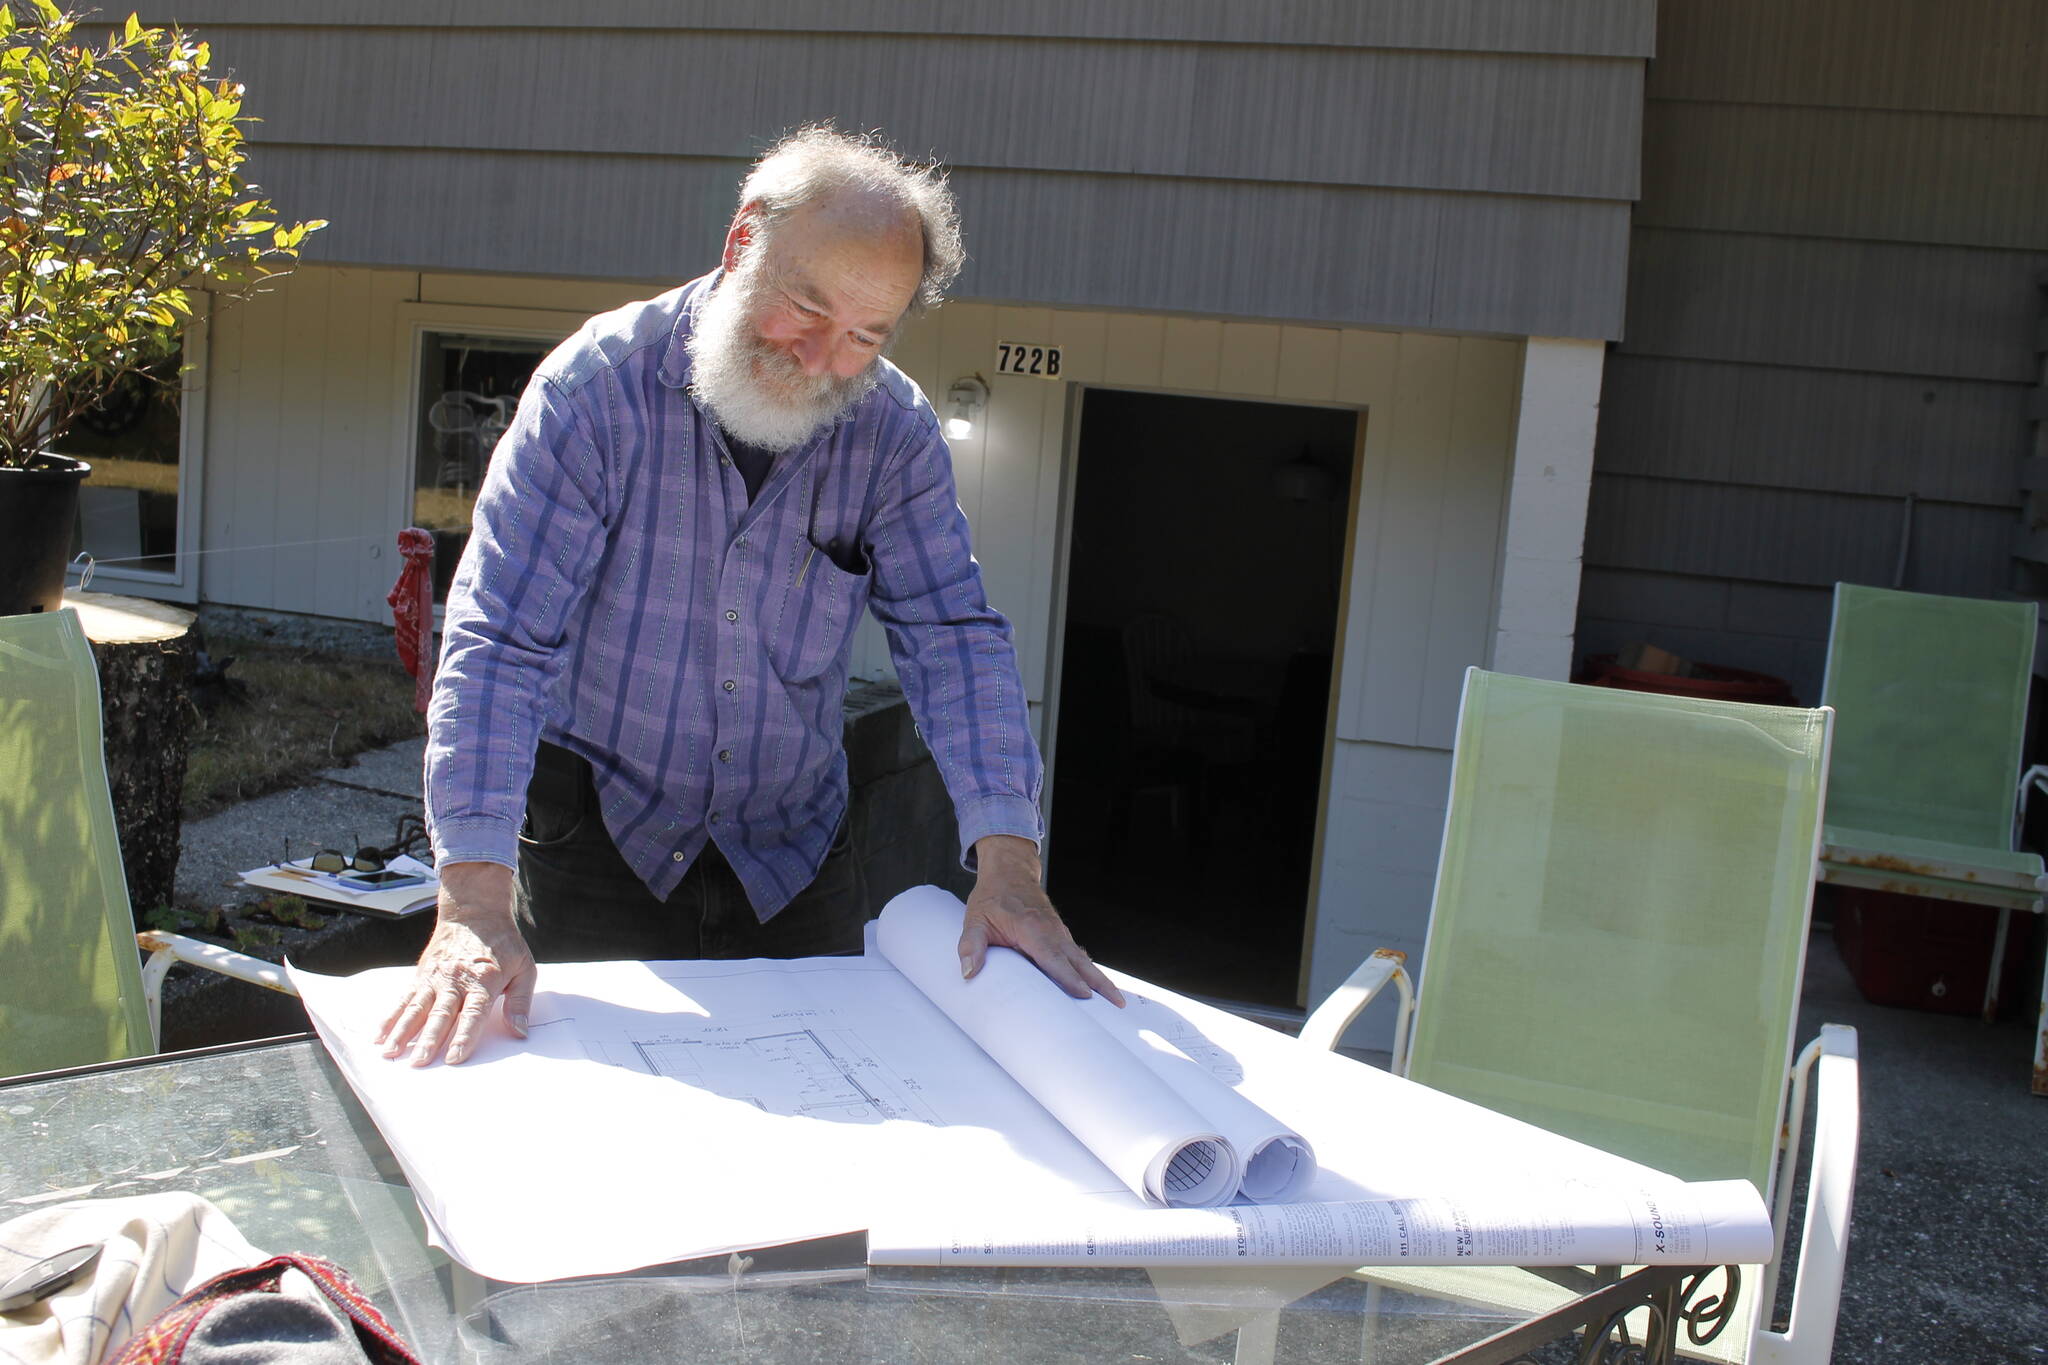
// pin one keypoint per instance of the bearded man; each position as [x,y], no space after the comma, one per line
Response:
[634,744]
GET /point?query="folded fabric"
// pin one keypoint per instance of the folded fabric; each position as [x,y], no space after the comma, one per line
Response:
[291,1310]
[157,1247]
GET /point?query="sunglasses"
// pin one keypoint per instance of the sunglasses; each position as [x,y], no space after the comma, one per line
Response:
[362,860]
[412,838]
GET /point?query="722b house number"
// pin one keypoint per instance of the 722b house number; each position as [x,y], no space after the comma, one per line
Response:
[1016,357]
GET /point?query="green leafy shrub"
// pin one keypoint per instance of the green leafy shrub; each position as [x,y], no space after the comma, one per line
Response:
[120,195]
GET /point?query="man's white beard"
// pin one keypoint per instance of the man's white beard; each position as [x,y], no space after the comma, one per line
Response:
[758,392]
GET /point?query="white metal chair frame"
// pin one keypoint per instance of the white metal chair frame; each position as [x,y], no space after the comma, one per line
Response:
[1824,1237]
[168,950]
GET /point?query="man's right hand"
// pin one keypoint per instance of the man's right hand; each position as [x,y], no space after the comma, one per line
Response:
[475,955]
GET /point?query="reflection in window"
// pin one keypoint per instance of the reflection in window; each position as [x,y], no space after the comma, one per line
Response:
[128,509]
[469,387]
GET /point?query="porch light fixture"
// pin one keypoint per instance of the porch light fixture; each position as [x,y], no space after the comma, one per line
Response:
[1301,479]
[964,402]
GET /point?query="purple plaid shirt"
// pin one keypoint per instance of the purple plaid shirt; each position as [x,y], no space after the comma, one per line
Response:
[620,597]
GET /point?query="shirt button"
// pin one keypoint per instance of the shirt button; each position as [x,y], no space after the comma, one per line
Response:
[725,460]
[677,855]
[714,817]
[725,755]
[732,616]
[730,684]
[741,541]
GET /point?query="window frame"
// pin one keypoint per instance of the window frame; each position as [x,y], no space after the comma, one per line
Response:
[181,582]
[415,320]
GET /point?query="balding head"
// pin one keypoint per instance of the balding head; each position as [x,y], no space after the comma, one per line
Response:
[867,189]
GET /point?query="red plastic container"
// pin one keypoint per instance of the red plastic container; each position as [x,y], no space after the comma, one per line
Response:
[1924,954]
[1716,682]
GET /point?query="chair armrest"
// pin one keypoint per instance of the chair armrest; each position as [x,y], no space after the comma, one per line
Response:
[1327,1024]
[2032,780]
[167,950]
[1824,1239]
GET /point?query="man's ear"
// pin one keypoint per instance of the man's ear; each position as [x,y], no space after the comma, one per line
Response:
[739,237]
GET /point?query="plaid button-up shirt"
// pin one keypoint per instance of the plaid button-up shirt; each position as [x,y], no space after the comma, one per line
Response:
[622,598]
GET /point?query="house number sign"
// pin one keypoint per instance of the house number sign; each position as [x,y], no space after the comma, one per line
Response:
[1028,358]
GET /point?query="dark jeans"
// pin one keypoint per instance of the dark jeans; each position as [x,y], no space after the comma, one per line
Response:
[579,901]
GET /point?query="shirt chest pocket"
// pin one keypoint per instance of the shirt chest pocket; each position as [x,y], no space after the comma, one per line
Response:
[815,598]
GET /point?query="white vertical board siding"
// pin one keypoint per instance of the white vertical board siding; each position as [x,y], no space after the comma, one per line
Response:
[1193,355]
[354,579]
[1423,598]
[298,451]
[1382,830]
[1556,419]
[1504,473]
[1438,436]
[241,431]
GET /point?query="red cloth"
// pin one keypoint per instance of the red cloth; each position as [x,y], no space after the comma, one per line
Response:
[179,1333]
[412,611]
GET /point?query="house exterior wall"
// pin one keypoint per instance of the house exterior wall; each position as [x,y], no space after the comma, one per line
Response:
[1832,307]
[1365,205]
[1457,165]
[311,393]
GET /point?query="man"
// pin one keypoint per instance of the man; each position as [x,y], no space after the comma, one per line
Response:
[648,635]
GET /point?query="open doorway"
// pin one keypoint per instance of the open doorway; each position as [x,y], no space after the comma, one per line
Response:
[1206,550]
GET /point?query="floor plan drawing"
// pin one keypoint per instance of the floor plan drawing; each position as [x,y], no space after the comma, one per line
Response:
[807,1071]
[1151,1016]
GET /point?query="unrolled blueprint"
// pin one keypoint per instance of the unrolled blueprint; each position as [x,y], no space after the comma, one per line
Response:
[1712,1222]
[661,1111]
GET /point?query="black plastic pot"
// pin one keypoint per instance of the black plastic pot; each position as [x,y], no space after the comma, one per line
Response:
[38,508]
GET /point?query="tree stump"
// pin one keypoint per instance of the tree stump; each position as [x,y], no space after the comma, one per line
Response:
[145,654]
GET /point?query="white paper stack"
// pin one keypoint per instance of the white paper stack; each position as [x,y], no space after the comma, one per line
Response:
[299,879]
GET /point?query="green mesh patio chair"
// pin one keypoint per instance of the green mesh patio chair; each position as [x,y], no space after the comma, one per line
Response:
[1931,693]
[1615,953]
[73,990]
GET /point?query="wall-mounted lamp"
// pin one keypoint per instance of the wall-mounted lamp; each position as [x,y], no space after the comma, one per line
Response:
[1301,479]
[964,403]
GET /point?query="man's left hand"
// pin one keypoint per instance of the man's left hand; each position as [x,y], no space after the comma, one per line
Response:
[1009,908]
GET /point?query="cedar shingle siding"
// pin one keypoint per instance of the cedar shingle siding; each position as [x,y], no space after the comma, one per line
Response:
[1832,305]
[1460,165]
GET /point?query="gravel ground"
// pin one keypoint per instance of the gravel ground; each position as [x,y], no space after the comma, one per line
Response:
[1948,1245]
[303,632]
[361,802]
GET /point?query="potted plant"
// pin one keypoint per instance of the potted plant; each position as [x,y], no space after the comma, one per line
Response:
[120,196]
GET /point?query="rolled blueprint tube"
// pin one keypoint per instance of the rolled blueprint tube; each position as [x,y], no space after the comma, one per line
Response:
[1112,1102]
[1277,1162]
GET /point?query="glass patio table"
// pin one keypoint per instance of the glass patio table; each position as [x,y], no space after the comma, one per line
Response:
[271,1133]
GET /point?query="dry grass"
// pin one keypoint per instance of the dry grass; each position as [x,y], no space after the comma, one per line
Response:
[302,711]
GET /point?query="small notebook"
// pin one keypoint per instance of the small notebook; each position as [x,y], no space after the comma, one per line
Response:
[299,879]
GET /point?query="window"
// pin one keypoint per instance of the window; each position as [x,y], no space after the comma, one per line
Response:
[129,510]
[469,388]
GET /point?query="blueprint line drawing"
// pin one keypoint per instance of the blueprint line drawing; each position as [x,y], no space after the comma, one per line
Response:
[1150,1015]
[809,1072]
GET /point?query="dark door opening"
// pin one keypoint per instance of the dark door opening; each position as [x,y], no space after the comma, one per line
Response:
[1201,615]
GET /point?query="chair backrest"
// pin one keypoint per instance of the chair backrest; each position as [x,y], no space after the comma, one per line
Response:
[70,977]
[1930,695]
[1618,936]
[1153,644]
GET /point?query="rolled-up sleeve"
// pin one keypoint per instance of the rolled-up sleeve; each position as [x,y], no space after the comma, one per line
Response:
[954,652]
[539,528]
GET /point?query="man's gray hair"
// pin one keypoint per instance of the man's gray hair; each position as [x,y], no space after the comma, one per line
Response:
[818,159]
